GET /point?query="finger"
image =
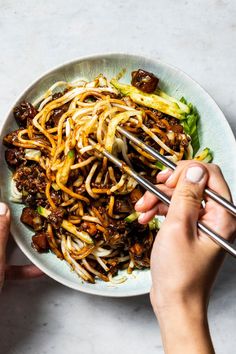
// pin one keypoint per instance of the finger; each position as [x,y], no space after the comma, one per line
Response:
[215,181]
[4,233]
[4,226]
[164,175]
[144,218]
[159,209]
[149,200]
[187,196]
[16,272]
[214,215]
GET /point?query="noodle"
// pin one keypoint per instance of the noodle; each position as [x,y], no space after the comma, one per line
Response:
[81,200]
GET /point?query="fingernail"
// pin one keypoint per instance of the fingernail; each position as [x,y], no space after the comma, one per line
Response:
[3,209]
[194,174]
[140,202]
[141,217]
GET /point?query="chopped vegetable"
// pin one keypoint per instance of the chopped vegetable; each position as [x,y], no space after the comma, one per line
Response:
[43,211]
[154,224]
[160,165]
[151,100]
[181,104]
[32,154]
[68,226]
[82,235]
[204,156]
[16,195]
[65,170]
[132,217]
[190,125]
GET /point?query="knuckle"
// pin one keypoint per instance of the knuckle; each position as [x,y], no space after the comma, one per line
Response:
[147,196]
[215,168]
[189,194]
[227,223]
[181,162]
[174,224]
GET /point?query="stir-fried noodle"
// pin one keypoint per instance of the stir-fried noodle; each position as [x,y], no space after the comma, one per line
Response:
[77,201]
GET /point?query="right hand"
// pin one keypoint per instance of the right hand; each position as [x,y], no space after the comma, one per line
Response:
[185,261]
[182,255]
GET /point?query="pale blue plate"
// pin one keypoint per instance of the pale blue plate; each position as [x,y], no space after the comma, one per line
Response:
[215,133]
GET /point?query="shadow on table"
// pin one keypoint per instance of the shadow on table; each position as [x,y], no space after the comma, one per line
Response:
[225,286]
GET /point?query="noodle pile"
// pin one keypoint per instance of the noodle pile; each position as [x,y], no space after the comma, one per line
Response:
[78,200]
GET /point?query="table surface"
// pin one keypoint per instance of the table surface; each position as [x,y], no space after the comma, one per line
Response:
[42,316]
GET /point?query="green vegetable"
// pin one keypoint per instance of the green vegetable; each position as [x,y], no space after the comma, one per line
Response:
[160,165]
[132,217]
[71,154]
[181,104]
[190,125]
[82,235]
[43,211]
[68,226]
[162,104]
[205,155]
[154,224]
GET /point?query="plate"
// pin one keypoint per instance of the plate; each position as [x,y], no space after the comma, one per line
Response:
[215,133]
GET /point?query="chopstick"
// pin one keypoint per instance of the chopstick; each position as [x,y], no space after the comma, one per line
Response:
[209,192]
[227,246]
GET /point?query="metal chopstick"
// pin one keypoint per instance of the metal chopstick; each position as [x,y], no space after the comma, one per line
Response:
[227,246]
[209,192]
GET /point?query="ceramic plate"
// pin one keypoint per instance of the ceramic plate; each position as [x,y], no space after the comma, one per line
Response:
[215,133]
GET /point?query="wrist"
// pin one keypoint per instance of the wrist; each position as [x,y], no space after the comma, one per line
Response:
[166,301]
[184,325]
[185,310]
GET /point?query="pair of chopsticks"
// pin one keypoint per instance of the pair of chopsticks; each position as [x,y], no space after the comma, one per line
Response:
[227,246]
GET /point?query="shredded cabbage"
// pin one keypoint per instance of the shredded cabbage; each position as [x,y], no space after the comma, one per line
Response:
[32,154]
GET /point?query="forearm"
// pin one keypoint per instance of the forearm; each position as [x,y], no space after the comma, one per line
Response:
[185,330]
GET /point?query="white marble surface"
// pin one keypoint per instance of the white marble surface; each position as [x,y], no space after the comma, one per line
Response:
[199,37]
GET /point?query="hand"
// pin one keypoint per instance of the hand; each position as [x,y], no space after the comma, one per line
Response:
[184,261]
[11,271]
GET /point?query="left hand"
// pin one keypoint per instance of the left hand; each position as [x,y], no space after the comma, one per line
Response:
[11,271]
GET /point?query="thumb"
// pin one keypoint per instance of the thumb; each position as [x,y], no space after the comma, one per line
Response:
[4,233]
[186,200]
